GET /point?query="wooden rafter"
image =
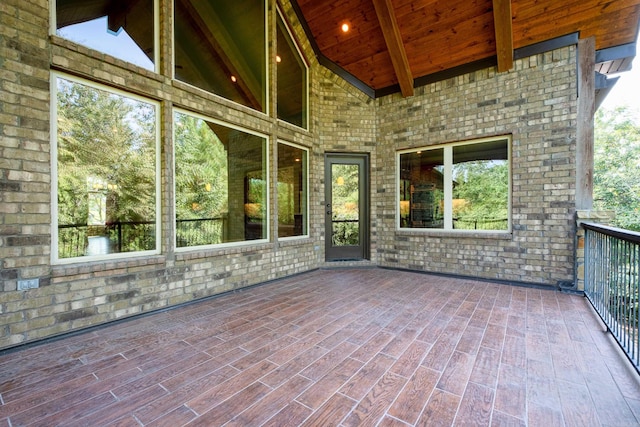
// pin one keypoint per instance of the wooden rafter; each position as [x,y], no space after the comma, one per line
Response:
[393,39]
[504,34]
[117,16]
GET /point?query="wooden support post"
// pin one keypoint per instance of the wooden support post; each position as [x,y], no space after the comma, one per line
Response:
[585,132]
[504,34]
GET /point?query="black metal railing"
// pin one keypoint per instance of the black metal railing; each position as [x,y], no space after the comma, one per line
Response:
[480,224]
[200,231]
[346,232]
[76,240]
[114,237]
[612,278]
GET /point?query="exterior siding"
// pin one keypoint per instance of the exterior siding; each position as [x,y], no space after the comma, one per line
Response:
[536,103]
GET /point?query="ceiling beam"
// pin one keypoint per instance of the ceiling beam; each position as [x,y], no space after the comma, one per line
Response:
[504,34]
[393,39]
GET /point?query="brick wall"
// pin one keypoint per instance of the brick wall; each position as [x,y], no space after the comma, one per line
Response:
[535,103]
[74,296]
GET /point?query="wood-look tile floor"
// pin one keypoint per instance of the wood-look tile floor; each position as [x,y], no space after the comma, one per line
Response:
[335,347]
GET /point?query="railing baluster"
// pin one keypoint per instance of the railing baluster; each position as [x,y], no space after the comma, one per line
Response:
[612,276]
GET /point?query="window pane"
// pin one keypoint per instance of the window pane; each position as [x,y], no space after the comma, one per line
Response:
[345,217]
[422,189]
[292,80]
[106,172]
[221,47]
[221,183]
[481,186]
[292,191]
[121,29]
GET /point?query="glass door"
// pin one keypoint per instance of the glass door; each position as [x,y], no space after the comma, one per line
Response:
[346,207]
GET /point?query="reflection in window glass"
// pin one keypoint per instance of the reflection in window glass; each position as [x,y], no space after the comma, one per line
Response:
[106,172]
[481,186]
[292,79]
[345,203]
[221,48]
[292,191]
[220,182]
[121,29]
[422,189]
[461,186]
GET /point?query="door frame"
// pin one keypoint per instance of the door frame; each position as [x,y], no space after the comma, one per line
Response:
[362,251]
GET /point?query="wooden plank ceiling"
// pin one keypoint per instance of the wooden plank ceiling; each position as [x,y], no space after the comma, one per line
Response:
[390,43]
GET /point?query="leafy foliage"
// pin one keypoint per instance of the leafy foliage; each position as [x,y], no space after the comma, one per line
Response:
[345,192]
[201,170]
[107,140]
[617,164]
[482,189]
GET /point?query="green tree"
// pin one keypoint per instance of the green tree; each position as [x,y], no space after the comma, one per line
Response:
[345,205]
[616,182]
[108,139]
[482,188]
[201,170]
[201,181]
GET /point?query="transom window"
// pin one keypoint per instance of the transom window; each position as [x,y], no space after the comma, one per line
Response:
[106,162]
[124,29]
[292,75]
[221,185]
[463,186]
[221,47]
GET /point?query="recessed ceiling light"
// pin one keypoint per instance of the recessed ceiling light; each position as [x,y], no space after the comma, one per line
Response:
[234,79]
[278,59]
[345,27]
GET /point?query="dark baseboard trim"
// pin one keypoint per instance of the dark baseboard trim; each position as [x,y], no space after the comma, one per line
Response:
[93,328]
[89,329]
[529,285]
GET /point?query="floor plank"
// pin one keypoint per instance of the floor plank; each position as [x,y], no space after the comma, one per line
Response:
[335,348]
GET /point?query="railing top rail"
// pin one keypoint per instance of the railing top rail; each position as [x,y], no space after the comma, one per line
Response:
[620,233]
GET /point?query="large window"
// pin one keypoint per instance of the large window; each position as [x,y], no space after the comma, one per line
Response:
[292,190]
[106,168]
[221,186]
[221,47]
[292,78]
[461,186]
[124,29]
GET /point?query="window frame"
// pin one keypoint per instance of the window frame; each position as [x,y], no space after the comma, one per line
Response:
[306,198]
[448,186]
[55,259]
[268,206]
[294,41]
[53,20]
[266,70]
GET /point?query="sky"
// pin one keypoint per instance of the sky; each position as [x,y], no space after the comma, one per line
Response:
[94,35]
[627,90]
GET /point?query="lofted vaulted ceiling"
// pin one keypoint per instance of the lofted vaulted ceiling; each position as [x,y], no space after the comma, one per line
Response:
[395,45]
